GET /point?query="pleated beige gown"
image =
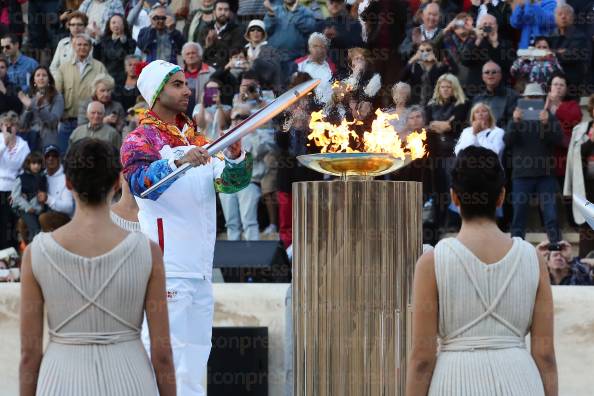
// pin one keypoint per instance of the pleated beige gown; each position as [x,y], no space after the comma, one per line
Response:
[95,309]
[485,312]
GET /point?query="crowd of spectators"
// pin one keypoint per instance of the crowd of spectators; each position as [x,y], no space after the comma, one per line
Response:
[513,76]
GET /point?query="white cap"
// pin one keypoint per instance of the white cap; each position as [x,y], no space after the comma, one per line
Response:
[153,78]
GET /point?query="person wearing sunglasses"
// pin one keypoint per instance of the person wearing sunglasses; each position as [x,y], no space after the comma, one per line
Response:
[496,94]
[20,66]
[76,23]
[160,40]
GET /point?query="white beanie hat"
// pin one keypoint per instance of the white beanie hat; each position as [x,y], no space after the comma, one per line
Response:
[153,78]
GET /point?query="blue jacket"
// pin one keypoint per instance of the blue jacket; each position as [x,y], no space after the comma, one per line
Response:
[288,31]
[20,71]
[147,43]
[534,20]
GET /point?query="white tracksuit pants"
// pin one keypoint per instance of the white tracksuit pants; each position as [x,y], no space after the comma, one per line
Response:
[191,306]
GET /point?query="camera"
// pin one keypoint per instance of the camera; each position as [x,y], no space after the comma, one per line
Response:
[424,56]
[487,29]
[554,247]
[459,23]
[252,89]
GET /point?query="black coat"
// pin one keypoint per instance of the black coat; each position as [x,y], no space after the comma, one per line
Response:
[443,144]
[474,57]
[422,89]
[112,54]
[10,100]
[230,38]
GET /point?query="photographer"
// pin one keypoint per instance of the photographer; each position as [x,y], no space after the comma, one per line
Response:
[531,138]
[564,269]
[485,45]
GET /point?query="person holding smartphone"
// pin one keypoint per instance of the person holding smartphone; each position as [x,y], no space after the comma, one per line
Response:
[211,114]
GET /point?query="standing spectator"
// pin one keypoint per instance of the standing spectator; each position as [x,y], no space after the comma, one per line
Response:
[42,23]
[422,72]
[13,151]
[568,113]
[127,93]
[115,44]
[196,71]
[44,107]
[76,22]
[500,9]
[221,36]
[60,203]
[343,31]
[428,31]
[9,100]
[160,40]
[533,19]
[446,116]
[198,20]
[318,65]
[96,128]
[531,143]
[482,132]
[210,114]
[496,94]
[74,81]
[530,68]
[572,47]
[485,45]
[28,197]
[11,17]
[401,92]
[99,12]
[114,113]
[579,174]
[288,26]
[20,67]
[241,208]
[455,36]
[139,16]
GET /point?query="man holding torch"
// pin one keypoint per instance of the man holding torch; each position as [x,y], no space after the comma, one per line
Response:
[181,213]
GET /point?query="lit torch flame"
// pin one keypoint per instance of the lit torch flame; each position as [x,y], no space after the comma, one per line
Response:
[383,138]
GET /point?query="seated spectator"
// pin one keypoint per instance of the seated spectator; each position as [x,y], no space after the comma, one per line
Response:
[196,71]
[482,132]
[343,31]
[401,98]
[428,31]
[96,127]
[262,57]
[28,197]
[579,174]
[533,19]
[455,36]
[99,12]
[485,45]
[531,144]
[9,100]
[572,48]
[318,65]
[139,15]
[564,269]
[221,36]
[496,94]
[241,208]
[536,69]
[20,67]
[76,22]
[115,44]
[210,114]
[74,81]
[114,113]
[44,107]
[501,10]
[160,40]
[288,26]
[60,203]
[198,20]
[568,113]
[422,72]
[127,93]
[13,151]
